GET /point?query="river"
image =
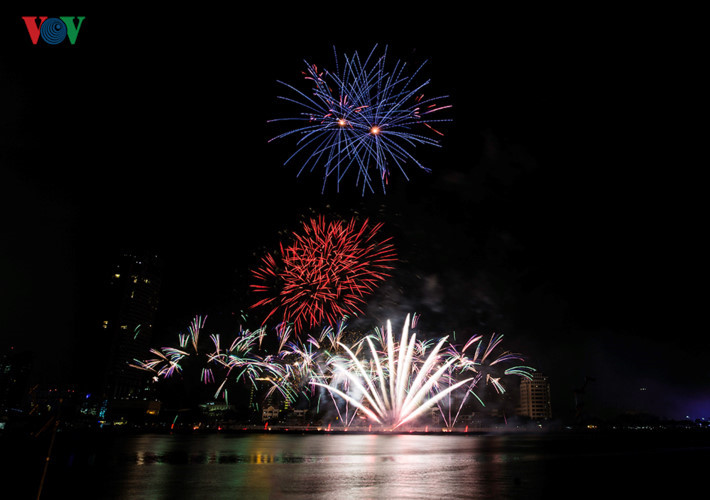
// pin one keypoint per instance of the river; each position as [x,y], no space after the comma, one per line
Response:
[358,466]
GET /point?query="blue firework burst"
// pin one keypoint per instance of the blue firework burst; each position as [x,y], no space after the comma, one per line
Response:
[365,116]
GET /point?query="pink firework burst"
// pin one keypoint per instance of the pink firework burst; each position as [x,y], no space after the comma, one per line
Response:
[324,273]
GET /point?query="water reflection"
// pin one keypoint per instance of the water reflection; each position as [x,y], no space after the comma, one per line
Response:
[323,466]
[326,466]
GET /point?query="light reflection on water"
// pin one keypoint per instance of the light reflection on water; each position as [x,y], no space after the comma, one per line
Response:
[324,466]
[361,466]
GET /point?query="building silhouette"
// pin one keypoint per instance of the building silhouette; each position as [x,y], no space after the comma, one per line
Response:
[15,371]
[126,316]
[535,397]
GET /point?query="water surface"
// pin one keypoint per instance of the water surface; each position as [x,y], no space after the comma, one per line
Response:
[364,466]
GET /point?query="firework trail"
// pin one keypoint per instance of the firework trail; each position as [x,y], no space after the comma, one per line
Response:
[239,358]
[169,361]
[482,365]
[399,381]
[364,116]
[395,385]
[392,384]
[324,274]
[299,361]
[239,362]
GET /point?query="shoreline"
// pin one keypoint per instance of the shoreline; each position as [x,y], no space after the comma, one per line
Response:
[307,430]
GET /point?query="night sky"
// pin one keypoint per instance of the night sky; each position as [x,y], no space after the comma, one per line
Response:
[561,209]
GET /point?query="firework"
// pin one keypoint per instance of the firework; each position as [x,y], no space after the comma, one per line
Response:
[169,361]
[484,366]
[241,362]
[400,381]
[324,273]
[365,116]
[390,382]
[395,386]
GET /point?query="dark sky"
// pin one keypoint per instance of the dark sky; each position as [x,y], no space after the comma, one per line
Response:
[559,210]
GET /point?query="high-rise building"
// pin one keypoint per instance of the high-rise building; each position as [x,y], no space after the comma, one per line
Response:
[535,397]
[15,369]
[127,316]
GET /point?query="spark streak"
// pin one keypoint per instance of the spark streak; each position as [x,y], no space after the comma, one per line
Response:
[366,117]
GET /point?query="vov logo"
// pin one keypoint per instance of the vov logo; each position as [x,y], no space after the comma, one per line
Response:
[53,30]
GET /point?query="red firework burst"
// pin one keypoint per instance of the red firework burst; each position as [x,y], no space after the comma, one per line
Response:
[324,273]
